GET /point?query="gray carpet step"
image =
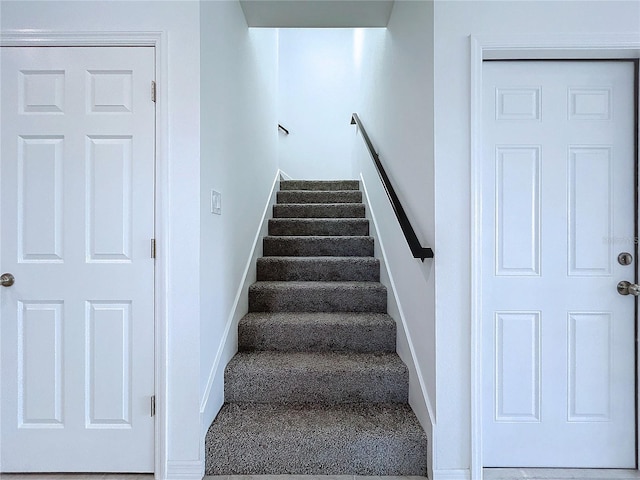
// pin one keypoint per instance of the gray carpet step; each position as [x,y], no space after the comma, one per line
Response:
[316,377]
[313,332]
[319,269]
[310,196]
[318,246]
[319,210]
[318,297]
[342,439]
[319,226]
[319,185]
[316,387]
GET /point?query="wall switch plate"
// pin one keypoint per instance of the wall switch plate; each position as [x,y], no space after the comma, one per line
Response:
[216,203]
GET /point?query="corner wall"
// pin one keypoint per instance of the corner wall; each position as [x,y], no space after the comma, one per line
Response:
[238,159]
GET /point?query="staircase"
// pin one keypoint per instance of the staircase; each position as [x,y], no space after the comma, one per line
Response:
[316,387]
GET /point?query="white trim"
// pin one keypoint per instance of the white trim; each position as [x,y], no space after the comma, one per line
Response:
[476,271]
[163,228]
[184,470]
[565,46]
[158,40]
[284,176]
[414,357]
[46,38]
[460,474]
[540,46]
[242,289]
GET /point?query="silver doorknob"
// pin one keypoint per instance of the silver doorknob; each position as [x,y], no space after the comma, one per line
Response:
[6,280]
[628,288]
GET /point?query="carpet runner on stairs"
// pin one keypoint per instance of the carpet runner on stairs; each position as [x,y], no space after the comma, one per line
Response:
[316,387]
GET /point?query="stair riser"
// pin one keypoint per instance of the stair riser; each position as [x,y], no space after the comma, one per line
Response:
[360,455]
[379,456]
[340,210]
[320,270]
[319,185]
[318,226]
[316,338]
[318,246]
[297,196]
[294,299]
[286,386]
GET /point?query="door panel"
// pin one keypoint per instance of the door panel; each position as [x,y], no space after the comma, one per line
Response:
[518,211]
[558,208]
[77,193]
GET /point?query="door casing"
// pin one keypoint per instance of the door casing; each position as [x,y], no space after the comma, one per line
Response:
[158,41]
[519,47]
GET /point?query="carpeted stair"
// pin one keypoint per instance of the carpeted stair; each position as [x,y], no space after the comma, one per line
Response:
[316,387]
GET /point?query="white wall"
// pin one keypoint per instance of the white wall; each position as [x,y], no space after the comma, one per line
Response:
[179,189]
[239,160]
[397,112]
[454,22]
[397,107]
[317,94]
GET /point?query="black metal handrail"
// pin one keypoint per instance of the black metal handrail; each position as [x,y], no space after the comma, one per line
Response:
[417,250]
[283,129]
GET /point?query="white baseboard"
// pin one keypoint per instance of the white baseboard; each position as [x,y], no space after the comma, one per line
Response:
[457,474]
[184,470]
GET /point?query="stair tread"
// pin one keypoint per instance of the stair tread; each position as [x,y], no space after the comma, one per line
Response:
[355,438]
[340,221]
[388,417]
[306,238]
[332,318]
[319,210]
[328,204]
[321,191]
[335,362]
[315,185]
[312,285]
[318,196]
[319,258]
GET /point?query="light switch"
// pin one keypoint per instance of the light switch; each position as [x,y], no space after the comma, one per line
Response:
[216,203]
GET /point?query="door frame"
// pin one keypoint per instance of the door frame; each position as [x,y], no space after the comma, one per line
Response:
[157,40]
[518,47]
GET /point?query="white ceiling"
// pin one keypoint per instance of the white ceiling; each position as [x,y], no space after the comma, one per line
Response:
[317,13]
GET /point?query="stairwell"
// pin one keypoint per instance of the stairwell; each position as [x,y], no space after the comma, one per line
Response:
[316,387]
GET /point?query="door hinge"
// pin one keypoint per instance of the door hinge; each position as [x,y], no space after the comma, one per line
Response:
[153,91]
[153,248]
[153,405]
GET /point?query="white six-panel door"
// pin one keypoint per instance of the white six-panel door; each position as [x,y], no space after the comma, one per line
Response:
[558,208]
[77,193]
